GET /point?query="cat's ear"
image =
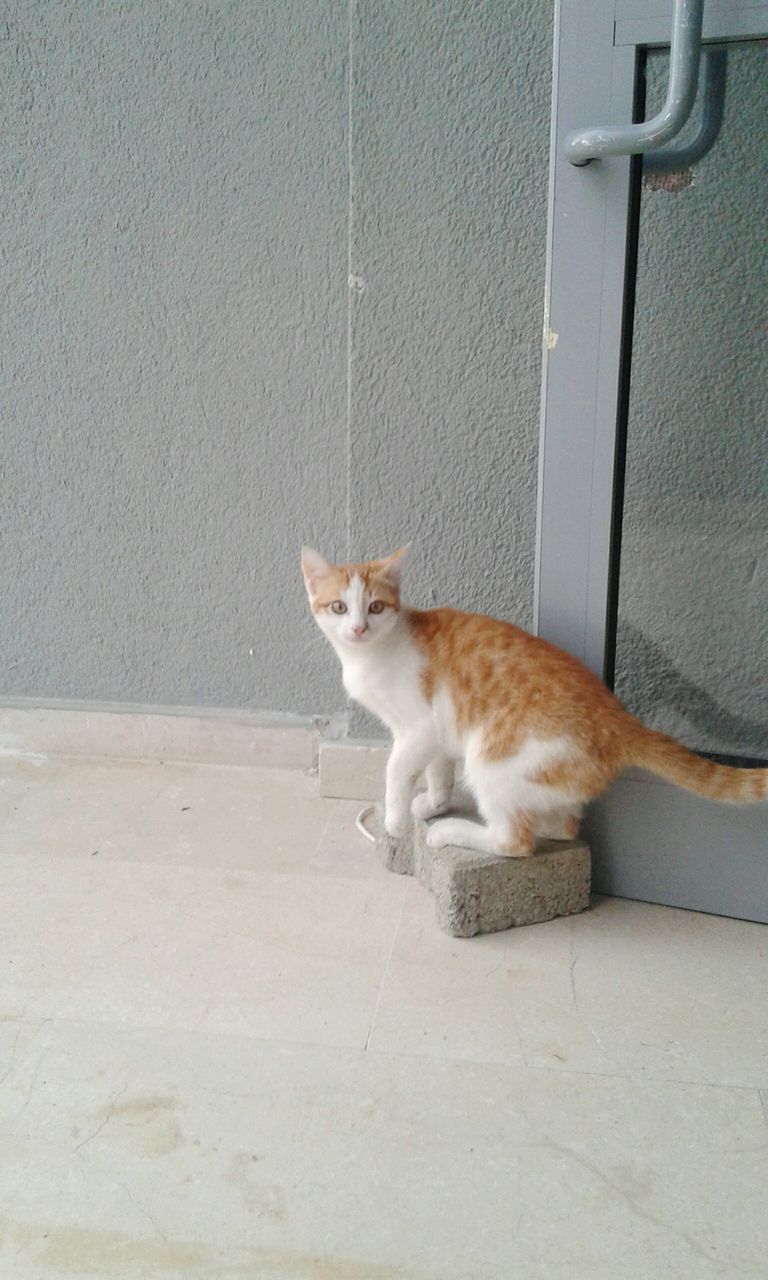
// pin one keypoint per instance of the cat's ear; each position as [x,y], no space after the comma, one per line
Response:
[314,567]
[392,567]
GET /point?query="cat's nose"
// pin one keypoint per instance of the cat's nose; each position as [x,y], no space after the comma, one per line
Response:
[360,631]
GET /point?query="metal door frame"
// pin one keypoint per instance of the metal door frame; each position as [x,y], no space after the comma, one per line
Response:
[585,383]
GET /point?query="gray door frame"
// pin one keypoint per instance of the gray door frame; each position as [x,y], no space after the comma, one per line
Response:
[650,840]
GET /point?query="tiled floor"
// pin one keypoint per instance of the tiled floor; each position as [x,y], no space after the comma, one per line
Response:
[231,1045]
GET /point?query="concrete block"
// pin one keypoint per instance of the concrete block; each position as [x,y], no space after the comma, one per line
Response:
[482,893]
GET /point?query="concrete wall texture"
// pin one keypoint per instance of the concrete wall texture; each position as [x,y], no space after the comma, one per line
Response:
[274,273]
[174,349]
[186,189]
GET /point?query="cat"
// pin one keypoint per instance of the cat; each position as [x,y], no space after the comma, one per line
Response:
[537,733]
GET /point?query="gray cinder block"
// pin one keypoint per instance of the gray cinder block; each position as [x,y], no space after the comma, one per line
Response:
[482,893]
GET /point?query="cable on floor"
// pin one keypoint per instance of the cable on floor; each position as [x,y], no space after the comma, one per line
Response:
[360,823]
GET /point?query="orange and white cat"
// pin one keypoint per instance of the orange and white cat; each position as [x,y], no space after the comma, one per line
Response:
[538,734]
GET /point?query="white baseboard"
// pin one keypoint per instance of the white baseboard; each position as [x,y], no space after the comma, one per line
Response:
[351,769]
[36,728]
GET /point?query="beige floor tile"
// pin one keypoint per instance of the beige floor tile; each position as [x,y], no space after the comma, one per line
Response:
[625,988]
[674,994]
[184,1088]
[135,1155]
[449,997]
[182,814]
[289,957]
[16,779]
[342,850]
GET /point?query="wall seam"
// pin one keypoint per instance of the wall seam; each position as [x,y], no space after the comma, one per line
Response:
[350,193]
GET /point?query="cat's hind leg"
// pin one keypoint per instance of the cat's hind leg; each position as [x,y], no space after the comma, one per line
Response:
[511,800]
[506,830]
[508,834]
[561,823]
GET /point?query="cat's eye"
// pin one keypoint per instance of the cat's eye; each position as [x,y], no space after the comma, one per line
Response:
[339,606]
[376,606]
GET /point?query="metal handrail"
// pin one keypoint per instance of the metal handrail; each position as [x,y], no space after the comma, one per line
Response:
[584,145]
[682,155]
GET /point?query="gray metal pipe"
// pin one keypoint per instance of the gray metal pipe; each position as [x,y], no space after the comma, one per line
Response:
[635,139]
[682,155]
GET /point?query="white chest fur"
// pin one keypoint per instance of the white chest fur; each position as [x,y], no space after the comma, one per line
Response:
[386,678]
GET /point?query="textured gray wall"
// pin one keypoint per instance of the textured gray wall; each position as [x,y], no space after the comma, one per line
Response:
[693,606]
[190,389]
[173,352]
[450,133]
[450,157]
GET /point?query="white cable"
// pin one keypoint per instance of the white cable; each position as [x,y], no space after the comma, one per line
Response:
[360,823]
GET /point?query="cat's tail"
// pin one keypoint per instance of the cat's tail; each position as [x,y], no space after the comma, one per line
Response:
[668,759]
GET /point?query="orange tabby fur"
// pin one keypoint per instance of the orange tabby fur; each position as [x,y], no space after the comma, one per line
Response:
[539,735]
[373,576]
[513,685]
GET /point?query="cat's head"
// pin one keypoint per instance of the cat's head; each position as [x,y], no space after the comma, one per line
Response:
[354,604]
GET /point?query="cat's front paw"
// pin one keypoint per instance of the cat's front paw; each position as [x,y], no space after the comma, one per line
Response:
[395,824]
[424,808]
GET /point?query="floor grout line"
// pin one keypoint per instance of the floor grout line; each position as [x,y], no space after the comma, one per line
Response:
[386,968]
[151,1031]
[320,839]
